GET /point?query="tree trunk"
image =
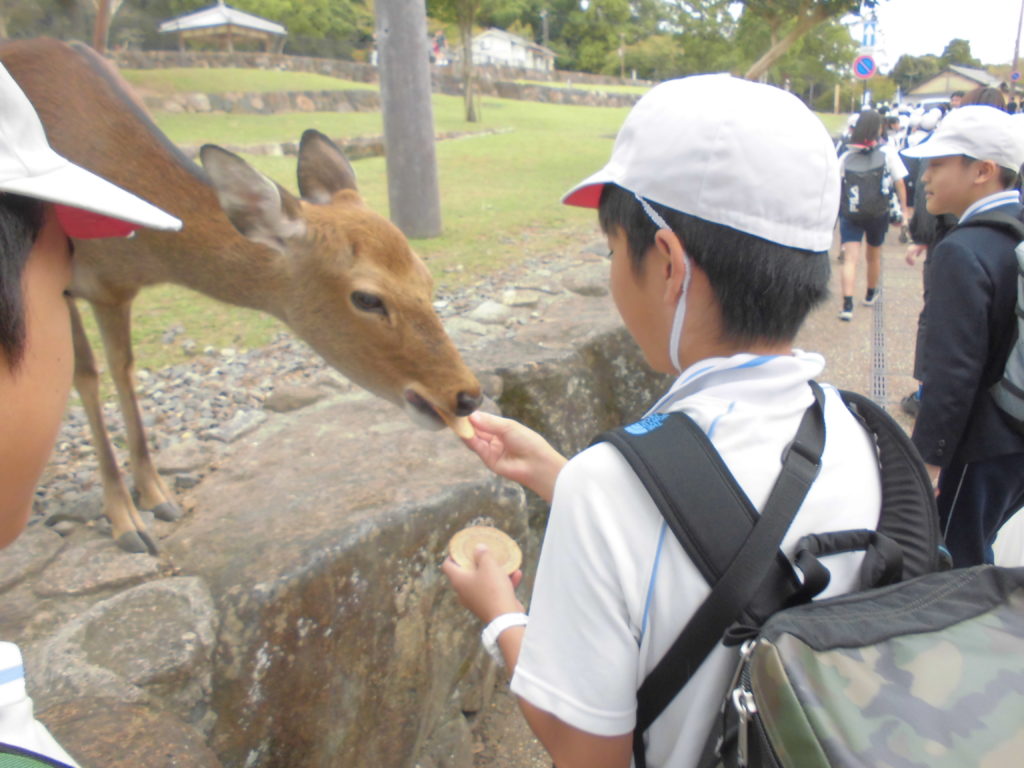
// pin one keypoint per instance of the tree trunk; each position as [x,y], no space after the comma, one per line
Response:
[413,192]
[105,12]
[468,80]
[102,26]
[807,21]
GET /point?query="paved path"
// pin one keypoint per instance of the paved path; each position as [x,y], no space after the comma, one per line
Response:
[874,353]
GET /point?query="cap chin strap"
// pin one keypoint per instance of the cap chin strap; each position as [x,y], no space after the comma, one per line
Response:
[680,314]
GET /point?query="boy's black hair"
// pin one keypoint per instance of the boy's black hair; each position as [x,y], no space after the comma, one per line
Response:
[765,290]
[21,218]
[1008,179]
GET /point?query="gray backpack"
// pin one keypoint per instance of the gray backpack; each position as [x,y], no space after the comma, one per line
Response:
[1008,392]
[866,186]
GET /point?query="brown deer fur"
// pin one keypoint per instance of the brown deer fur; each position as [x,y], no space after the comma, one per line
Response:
[342,277]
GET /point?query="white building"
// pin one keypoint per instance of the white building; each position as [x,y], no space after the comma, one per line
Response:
[501,48]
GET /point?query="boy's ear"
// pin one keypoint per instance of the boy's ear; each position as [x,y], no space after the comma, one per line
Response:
[985,171]
[672,262]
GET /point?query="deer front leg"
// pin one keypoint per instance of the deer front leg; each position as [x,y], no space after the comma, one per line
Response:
[115,326]
[128,529]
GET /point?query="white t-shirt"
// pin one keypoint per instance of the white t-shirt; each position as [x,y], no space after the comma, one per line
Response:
[18,726]
[614,588]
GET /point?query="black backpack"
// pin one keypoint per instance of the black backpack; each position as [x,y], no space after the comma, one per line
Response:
[757,601]
[1008,392]
[866,190]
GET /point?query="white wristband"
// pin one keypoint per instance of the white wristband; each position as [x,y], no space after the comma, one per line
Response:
[489,637]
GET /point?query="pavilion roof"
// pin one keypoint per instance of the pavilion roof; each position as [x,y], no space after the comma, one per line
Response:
[221,15]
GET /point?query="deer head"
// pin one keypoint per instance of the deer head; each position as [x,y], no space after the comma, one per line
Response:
[356,291]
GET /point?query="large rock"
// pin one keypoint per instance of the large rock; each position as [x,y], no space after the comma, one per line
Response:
[152,644]
[329,528]
[100,733]
[309,623]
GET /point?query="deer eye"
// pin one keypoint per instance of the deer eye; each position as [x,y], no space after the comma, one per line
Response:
[368,302]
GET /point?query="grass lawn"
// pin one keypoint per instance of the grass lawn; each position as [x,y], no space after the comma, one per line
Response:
[499,196]
[222,80]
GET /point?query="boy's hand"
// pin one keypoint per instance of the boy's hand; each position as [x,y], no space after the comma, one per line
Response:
[484,589]
[515,452]
[914,252]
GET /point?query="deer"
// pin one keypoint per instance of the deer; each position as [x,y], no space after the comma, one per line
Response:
[340,276]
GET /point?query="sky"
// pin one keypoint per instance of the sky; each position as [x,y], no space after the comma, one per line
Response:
[919,27]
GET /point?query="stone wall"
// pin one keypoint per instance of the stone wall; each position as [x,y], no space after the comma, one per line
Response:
[504,82]
[297,615]
[348,70]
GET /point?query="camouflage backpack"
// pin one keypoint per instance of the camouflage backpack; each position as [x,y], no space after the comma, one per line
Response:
[923,667]
[17,757]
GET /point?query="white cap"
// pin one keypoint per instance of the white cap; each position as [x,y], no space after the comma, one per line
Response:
[977,131]
[930,119]
[87,205]
[749,156]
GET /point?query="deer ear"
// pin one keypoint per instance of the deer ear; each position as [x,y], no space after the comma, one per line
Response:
[323,168]
[259,208]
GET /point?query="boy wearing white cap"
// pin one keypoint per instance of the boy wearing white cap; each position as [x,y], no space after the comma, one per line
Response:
[975,458]
[719,225]
[44,201]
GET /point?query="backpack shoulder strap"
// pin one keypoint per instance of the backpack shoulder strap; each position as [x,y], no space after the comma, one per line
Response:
[675,461]
[753,552]
[909,515]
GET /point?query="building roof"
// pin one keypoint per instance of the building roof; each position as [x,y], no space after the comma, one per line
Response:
[980,75]
[522,41]
[221,15]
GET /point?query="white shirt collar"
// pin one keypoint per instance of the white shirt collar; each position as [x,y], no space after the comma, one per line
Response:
[744,376]
[1005,197]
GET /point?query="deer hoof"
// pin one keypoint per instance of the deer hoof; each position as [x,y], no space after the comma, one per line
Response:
[131,541]
[151,546]
[167,511]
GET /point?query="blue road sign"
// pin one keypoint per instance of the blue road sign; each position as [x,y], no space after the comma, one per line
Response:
[864,67]
[1015,76]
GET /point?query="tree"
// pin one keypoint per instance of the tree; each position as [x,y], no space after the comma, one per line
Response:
[315,27]
[105,11]
[815,63]
[958,51]
[911,71]
[658,57]
[789,20]
[463,14]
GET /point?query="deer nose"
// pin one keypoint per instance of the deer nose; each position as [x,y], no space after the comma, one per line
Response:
[466,403]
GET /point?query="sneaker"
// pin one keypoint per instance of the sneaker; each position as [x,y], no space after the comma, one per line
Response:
[872,296]
[846,313]
[911,404]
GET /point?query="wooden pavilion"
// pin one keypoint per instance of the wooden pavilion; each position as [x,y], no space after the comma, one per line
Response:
[225,25]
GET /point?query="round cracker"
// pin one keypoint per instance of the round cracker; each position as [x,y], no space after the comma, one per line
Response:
[463,545]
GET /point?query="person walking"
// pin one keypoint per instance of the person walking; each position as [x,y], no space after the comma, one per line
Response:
[871,171]
[974,456]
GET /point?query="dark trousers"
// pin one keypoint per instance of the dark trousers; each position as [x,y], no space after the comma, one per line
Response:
[921,320]
[974,501]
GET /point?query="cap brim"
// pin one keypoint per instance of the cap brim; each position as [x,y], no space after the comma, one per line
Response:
[934,147]
[587,194]
[89,206]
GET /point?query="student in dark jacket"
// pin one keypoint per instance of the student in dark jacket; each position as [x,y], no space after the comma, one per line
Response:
[974,457]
